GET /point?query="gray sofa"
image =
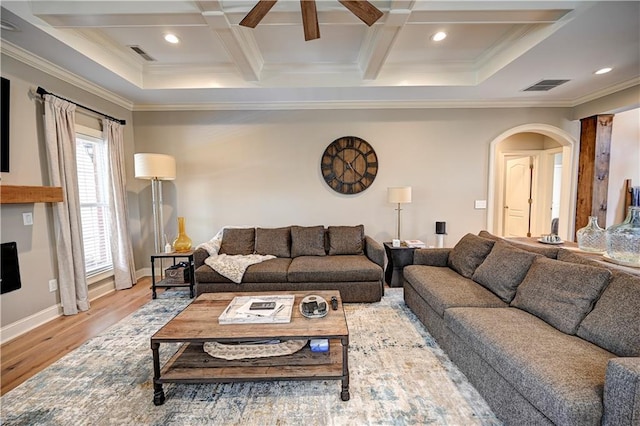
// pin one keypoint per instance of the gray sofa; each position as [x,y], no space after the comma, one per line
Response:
[546,335]
[307,258]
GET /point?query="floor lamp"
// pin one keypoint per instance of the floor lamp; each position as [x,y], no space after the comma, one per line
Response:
[155,167]
[399,195]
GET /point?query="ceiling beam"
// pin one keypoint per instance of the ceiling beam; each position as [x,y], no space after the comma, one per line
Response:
[379,42]
[239,43]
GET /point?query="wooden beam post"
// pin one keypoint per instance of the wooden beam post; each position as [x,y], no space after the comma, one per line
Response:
[593,169]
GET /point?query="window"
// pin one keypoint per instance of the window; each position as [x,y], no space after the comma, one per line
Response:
[93,178]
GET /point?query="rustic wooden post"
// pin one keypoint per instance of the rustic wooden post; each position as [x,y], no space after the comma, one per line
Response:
[593,169]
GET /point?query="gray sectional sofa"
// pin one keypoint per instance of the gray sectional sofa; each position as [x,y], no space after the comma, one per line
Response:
[307,258]
[545,335]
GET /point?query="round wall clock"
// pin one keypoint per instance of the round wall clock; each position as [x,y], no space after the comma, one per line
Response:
[349,165]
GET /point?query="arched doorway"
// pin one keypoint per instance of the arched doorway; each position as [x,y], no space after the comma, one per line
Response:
[508,148]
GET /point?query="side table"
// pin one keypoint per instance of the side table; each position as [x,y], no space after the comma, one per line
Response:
[397,259]
[164,283]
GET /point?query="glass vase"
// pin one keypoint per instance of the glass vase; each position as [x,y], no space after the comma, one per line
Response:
[623,240]
[182,243]
[592,238]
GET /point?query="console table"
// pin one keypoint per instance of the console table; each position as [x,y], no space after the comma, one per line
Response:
[397,259]
[164,283]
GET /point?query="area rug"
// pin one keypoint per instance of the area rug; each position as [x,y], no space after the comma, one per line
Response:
[399,376]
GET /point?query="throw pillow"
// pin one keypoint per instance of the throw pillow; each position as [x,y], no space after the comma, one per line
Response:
[346,239]
[275,241]
[307,241]
[560,293]
[504,269]
[614,323]
[238,241]
[468,254]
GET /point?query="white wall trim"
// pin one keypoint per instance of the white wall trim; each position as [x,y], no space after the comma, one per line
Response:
[568,203]
[24,325]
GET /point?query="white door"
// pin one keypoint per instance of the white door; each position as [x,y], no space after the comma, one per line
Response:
[517,193]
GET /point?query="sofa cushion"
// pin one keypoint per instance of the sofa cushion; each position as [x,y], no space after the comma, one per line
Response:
[275,241]
[561,375]
[346,239]
[238,241]
[614,323]
[571,257]
[307,241]
[269,271]
[468,254]
[444,288]
[504,269]
[560,293]
[338,268]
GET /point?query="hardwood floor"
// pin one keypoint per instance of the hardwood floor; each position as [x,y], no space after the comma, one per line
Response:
[32,352]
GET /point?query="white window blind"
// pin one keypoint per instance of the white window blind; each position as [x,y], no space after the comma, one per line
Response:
[93,177]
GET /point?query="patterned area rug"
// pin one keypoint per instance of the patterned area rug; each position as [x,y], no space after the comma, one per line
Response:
[399,376]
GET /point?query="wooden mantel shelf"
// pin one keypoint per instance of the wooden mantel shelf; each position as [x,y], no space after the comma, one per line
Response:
[12,194]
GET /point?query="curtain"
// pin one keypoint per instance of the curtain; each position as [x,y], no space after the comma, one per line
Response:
[121,250]
[60,138]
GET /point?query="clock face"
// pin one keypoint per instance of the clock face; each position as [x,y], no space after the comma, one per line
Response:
[349,165]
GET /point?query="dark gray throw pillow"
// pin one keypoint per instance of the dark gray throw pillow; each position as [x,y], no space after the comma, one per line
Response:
[560,293]
[238,241]
[504,269]
[275,241]
[468,254]
[307,241]
[614,323]
[346,239]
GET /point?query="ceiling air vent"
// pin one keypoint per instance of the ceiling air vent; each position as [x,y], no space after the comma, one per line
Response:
[544,85]
[142,53]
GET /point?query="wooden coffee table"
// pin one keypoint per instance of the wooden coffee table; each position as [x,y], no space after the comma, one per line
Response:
[198,324]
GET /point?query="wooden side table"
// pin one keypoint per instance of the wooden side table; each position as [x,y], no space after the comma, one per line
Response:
[397,259]
[164,283]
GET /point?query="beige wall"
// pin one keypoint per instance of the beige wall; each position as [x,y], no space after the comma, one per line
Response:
[624,162]
[262,167]
[36,248]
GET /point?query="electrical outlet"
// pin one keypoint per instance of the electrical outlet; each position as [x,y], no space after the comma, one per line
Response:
[27,219]
[53,285]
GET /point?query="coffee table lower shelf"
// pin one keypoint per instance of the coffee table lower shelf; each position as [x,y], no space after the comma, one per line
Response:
[191,365]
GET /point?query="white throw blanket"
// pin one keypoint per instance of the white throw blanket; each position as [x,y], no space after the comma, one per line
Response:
[230,266]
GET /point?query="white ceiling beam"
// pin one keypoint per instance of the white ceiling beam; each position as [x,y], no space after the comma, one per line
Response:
[239,44]
[379,42]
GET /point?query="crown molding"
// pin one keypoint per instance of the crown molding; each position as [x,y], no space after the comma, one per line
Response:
[34,61]
[320,105]
[605,92]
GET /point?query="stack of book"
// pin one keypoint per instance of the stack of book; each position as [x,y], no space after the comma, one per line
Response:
[415,244]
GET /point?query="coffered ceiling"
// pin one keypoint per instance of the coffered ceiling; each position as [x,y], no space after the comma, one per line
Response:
[492,52]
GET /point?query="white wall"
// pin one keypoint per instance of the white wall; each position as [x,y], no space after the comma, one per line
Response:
[624,162]
[263,167]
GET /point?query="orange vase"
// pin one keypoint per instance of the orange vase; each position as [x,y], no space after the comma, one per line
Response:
[182,244]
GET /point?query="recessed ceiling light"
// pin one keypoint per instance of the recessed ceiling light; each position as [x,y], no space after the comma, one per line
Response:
[172,38]
[439,36]
[603,71]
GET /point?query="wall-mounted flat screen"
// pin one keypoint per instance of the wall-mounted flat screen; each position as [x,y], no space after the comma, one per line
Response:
[10,272]
[5,96]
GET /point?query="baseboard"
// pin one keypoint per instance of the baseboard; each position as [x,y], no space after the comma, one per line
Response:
[27,324]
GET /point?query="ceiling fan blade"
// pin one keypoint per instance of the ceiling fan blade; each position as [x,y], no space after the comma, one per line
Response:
[258,12]
[310,20]
[364,10]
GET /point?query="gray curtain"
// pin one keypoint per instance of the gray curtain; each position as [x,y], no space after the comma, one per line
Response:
[60,137]
[121,250]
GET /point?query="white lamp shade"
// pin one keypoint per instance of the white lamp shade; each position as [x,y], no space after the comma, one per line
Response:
[400,194]
[154,166]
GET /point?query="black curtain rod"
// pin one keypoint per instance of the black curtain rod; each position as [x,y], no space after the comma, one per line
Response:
[43,92]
